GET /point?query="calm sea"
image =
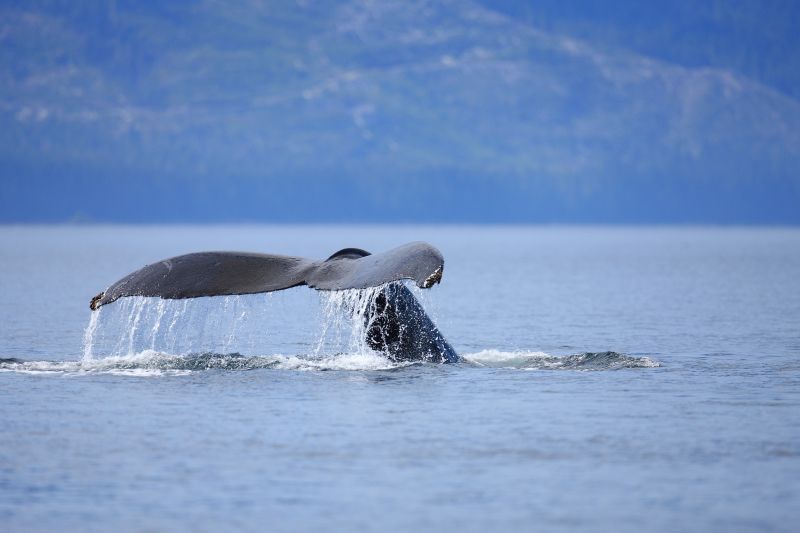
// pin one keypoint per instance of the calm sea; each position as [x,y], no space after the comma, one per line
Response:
[614,379]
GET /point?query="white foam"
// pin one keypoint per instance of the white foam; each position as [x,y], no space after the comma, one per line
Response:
[347,361]
[150,363]
[147,363]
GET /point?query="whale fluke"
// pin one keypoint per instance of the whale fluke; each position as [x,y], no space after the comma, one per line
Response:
[230,273]
[394,320]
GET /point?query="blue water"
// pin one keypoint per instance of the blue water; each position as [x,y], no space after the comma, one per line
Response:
[265,413]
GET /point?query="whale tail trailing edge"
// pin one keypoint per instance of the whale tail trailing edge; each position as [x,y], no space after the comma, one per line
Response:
[94,303]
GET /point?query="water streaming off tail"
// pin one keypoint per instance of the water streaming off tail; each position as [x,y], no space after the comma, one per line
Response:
[292,322]
[346,316]
[88,335]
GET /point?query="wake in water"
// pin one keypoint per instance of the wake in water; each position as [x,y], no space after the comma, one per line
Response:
[151,363]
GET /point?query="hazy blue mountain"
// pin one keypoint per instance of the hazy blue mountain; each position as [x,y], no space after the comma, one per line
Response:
[446,111]
[756,38]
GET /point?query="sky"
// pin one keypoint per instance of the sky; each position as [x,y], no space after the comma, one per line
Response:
[678,112]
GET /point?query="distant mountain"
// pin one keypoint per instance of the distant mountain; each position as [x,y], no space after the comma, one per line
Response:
[395,111]
[755,38]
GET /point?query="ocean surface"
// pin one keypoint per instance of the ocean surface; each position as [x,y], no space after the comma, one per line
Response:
[613,379]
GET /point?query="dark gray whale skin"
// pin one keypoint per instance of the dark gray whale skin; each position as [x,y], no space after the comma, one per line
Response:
[398,326]
[396,322]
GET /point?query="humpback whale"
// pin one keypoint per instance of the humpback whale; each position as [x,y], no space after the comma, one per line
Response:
[396,323]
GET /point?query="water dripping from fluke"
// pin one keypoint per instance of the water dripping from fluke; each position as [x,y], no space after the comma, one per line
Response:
[88,334]
[334,323]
